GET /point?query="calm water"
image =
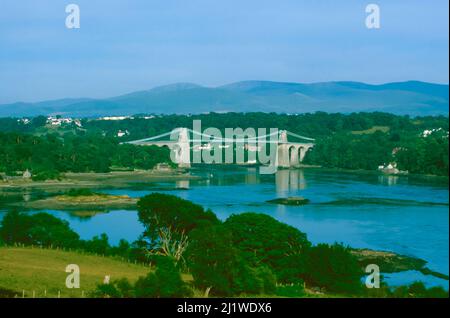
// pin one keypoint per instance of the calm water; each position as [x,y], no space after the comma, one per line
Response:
[400,214]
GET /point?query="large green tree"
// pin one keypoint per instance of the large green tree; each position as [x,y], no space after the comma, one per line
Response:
[219,267]
[165,282]
[334,268]
[264,240]
[39,229]
[163,214]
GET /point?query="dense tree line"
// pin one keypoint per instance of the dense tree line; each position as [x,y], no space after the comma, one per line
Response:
[315,125]
[46,156]
[425,155]
[349,141]
[419,155]
[43,229]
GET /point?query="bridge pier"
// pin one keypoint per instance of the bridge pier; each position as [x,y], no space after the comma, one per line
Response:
[294,158]
[290,154]
[184,156]
[302,152]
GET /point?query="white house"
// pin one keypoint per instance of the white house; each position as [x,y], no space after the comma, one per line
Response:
[122,133]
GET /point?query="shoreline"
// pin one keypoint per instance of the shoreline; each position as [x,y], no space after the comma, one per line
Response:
[129,178]
[328,169]
[391,262]
[99,180]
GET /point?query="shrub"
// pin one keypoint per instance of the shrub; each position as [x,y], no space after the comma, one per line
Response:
[45,175]
[437,292]
[117,289]
[291,290]
[40,229]
[6,293]
[14,228]
[80,192]
[419,290]
[217,265]
[334,268]
[164,282]
[259,280]
[212,260]
[98,245]
[107,291]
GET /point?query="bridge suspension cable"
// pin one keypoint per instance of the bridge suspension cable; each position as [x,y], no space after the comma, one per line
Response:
[220,139]
[299,136]
[212,138]
[155,137]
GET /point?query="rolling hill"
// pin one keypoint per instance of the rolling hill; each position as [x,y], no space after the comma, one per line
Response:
[412,98]
[24,270]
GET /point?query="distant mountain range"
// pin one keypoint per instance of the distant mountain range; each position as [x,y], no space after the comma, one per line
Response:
[412,98]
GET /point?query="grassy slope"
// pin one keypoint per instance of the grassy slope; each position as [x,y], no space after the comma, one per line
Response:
[35,269]
[39,270]
[372,130]
[42,269]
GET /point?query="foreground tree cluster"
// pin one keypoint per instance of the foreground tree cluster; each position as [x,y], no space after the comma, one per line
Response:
[247,254]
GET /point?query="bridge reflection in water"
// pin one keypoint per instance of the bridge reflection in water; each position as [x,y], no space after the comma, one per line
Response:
[388,180]
[286,180]
[289,180]
[182,184]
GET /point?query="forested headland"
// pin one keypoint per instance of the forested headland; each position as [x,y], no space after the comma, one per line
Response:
[48,155]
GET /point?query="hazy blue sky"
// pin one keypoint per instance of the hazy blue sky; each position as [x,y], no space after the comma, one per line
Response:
[123,46]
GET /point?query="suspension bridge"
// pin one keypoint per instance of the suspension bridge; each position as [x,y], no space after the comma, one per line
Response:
[288,154]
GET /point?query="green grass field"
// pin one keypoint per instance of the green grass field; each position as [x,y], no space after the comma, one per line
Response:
[371,130]
[43,271]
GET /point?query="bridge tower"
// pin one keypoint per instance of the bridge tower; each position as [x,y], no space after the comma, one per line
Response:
[182,149]
[290,154]
[283,150]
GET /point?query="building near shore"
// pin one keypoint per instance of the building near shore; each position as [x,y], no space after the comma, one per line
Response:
[26,174]
[163,166]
